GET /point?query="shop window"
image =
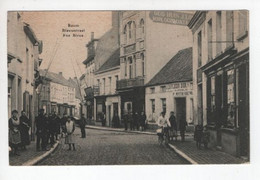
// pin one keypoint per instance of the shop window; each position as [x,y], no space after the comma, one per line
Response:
[230,98]
[213,94]
[153,105]
[163,104]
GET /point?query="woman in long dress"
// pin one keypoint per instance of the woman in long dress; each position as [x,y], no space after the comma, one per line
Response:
[69,138]
[14,132]
[24,130]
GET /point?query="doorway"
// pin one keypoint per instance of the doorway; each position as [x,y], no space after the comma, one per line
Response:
[180,110]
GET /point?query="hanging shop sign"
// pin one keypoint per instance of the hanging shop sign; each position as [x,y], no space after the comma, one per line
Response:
[171,17]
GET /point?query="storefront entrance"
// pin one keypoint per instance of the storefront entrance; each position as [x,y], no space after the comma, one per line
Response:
[180,110]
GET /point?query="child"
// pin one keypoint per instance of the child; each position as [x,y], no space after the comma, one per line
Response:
[70,128]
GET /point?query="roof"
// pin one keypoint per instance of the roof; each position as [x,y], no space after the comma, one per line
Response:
[74,83]
[106,46]
[178,69]
[57,78]
[112,61]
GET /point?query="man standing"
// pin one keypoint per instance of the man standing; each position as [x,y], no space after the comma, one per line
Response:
[115,120]
[183,124]
[53,120]
[24,129]
[63,123]
[82,124]
[41,132]
[143,120]
[173,128]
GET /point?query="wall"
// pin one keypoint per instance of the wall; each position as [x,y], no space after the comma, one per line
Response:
[162,42]
[169,95]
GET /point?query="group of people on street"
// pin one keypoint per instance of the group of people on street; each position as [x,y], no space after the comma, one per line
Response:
[169,126]
[18,132]
[136,121]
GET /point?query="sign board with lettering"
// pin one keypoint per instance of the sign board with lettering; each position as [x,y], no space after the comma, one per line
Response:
[171,17]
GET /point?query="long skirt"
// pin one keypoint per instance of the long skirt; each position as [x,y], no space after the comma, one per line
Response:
[14,138]
[69,139]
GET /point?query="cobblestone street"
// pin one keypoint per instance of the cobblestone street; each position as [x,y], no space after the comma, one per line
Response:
[113,148]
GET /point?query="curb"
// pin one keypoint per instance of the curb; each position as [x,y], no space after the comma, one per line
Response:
[182,154]
[122,130]
[119,130]
[42,157]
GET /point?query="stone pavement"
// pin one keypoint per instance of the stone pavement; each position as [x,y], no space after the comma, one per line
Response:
[189,151]
[29,156]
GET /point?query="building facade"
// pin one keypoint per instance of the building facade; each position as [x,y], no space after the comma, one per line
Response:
[23,63]
[144,50]
[107,100]
[57,94]
[171,90]
[221,77]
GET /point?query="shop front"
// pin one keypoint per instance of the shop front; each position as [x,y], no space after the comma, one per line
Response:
[228,102]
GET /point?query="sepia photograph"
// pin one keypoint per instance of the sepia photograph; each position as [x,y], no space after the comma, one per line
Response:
[128,87]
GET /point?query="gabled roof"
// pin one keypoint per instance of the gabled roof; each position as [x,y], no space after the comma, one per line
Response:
[57,78]
[178,69]
[112,62]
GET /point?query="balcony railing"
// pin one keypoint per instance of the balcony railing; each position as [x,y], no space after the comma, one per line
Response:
[129,83]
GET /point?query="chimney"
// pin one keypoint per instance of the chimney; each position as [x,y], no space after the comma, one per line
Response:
[92,36]
[60,73]
[115,19]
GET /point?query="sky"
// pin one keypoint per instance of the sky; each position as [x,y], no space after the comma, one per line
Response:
[66,52]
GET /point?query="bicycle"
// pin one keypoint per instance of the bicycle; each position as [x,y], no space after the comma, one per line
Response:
[163,135]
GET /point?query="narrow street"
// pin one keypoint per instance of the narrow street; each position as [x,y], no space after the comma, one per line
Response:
[113,148]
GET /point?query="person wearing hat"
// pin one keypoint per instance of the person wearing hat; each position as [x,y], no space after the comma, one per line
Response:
[41,132]
[14,132]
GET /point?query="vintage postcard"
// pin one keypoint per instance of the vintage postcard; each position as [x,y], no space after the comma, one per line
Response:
[128,87]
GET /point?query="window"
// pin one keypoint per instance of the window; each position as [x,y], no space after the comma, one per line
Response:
[133,30]
[98,82]
[183,85]
[163,104]
[152,90]
[116,77]
[130,30]
[213,94]
[142,58]
[210,39]
[153,105]
[229,28]
[104,85]
[110,84]
[125,67]
[163,88]
[134,66]
[125,33]
[230,98]
[142,26]
[199,48]
[130,67]
[218,32]
[242,16]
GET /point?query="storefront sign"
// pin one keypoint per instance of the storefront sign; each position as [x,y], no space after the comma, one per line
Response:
[171,17]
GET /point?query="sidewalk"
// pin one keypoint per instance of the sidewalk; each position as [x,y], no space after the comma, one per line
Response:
[188,149]
[30,156]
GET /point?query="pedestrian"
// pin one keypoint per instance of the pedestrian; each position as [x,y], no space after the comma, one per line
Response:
[48,129]
[131,120]
[115,120]
[53,121]
[163,123]
[136,120]
[41,132]
[24,130]
[14,133]
[143,120]
[82,124]
[183,124]
[173,128]
[57,128]
[69,138]
[103,119]
[63,121]
[125,118]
